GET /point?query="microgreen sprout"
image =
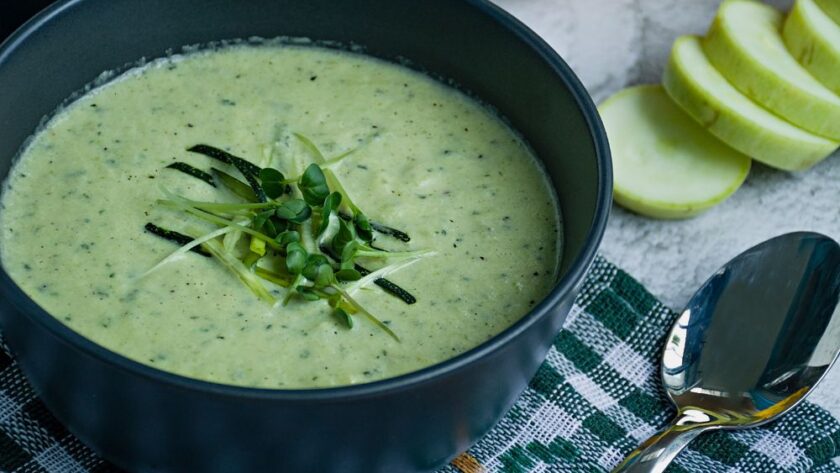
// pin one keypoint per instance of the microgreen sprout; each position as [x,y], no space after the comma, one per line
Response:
[363,228]
[343,317]
[313,186]
[274,183]
[294,211]
[331,204]
[287,237]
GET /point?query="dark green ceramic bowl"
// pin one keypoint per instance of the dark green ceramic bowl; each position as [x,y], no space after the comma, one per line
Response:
[144,419]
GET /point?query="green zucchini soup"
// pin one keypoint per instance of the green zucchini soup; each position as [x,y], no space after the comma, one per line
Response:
[280,216]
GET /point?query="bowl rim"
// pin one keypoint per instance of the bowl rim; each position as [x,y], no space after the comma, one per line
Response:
[567,284]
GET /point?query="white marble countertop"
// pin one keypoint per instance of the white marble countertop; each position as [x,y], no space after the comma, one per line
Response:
[615,43]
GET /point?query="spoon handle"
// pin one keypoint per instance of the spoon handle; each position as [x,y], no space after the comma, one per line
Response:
[657,452]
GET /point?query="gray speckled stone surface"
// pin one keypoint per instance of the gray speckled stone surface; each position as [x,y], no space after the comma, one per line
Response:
[615,43]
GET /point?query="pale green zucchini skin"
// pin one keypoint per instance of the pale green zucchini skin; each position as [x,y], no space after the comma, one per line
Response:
[694,83]
[814,40]
[832,8]
[745,45]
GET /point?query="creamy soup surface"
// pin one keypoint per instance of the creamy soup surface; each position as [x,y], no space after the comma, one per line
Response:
[429,161]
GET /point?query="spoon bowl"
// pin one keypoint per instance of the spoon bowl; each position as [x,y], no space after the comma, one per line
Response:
[751,343]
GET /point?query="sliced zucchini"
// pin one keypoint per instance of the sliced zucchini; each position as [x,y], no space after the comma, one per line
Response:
[665,164]
[813,39]
[745,44]
[832,7]
[702,91]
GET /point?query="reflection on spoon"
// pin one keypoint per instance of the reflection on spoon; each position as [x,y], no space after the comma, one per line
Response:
[751,343]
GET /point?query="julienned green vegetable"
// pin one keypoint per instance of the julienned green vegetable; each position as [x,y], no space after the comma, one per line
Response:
[194,172]
[332,202]
[384,283]
[276,178]
[273,221]
[244,166]
[234,185]
[176,237]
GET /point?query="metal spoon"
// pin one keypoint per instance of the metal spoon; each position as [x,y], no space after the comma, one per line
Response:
[751,344]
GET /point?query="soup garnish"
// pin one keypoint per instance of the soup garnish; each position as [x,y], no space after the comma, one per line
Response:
[313,263]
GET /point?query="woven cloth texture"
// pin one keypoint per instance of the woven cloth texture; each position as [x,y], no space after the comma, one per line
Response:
[595,398]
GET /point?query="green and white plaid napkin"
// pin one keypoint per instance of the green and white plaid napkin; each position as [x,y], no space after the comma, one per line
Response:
[594,399]
[597,396]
